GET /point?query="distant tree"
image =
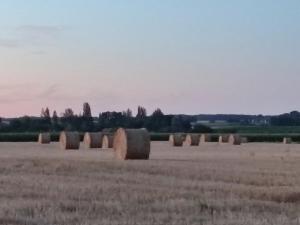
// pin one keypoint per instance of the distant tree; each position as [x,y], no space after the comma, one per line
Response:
[55,122]
[128,113]
[45,121]
[157,113]
[87,113]
[54,117]
[16,125]
[86,120]
[295,114]
[200,128]
[180,124]
[69,121]
[68,113]
[29,124]
[142,113]
[287,119]
[128,120]
[111,120]
[47,113]
[158,122]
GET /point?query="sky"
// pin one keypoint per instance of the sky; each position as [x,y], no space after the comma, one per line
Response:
[192,56]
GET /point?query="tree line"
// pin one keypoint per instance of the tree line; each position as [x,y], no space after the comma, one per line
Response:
[68,120]
[287,119]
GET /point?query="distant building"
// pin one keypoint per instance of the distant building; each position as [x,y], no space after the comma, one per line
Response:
[260,121]
[5,122]
[210,123]
[202,122]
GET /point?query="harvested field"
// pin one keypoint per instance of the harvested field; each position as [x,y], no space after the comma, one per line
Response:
[253,184]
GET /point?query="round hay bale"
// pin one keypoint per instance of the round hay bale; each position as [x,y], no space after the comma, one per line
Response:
[176,140]
[205,138]
[287,140]
[108,141]
[224,138]
[93,139]
[192,139]
[132,144]
[69,140]
[244,140]
[234,139]
[44,138]
[220,139]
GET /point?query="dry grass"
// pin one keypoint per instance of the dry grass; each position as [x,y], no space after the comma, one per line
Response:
[255,184]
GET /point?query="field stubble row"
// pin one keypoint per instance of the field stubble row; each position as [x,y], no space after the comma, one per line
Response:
[208,184]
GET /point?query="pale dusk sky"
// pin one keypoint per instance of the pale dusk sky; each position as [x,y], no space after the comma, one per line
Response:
[188,57]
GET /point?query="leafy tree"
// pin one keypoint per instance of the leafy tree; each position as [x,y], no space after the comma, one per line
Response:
[29,124]
[69,113]
[111,120]
[87,121]
[128,119]
[54,117]
[87,112]
[200,128]
[180,124]
[55,122]
[158,122]
[45,121]
[287,119]
[69,120]
[140,119]
[45,113]
[15,125]
[157,113]
[295,114]
[142,113]
[127,113]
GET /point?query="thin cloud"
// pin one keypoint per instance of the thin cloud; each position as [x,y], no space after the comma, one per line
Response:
[9,43]
[56,92]
[36,29]
[16,93]
[39,33]
[49,91]
[38,52]
[27,92]
[32,36]
[12,87]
